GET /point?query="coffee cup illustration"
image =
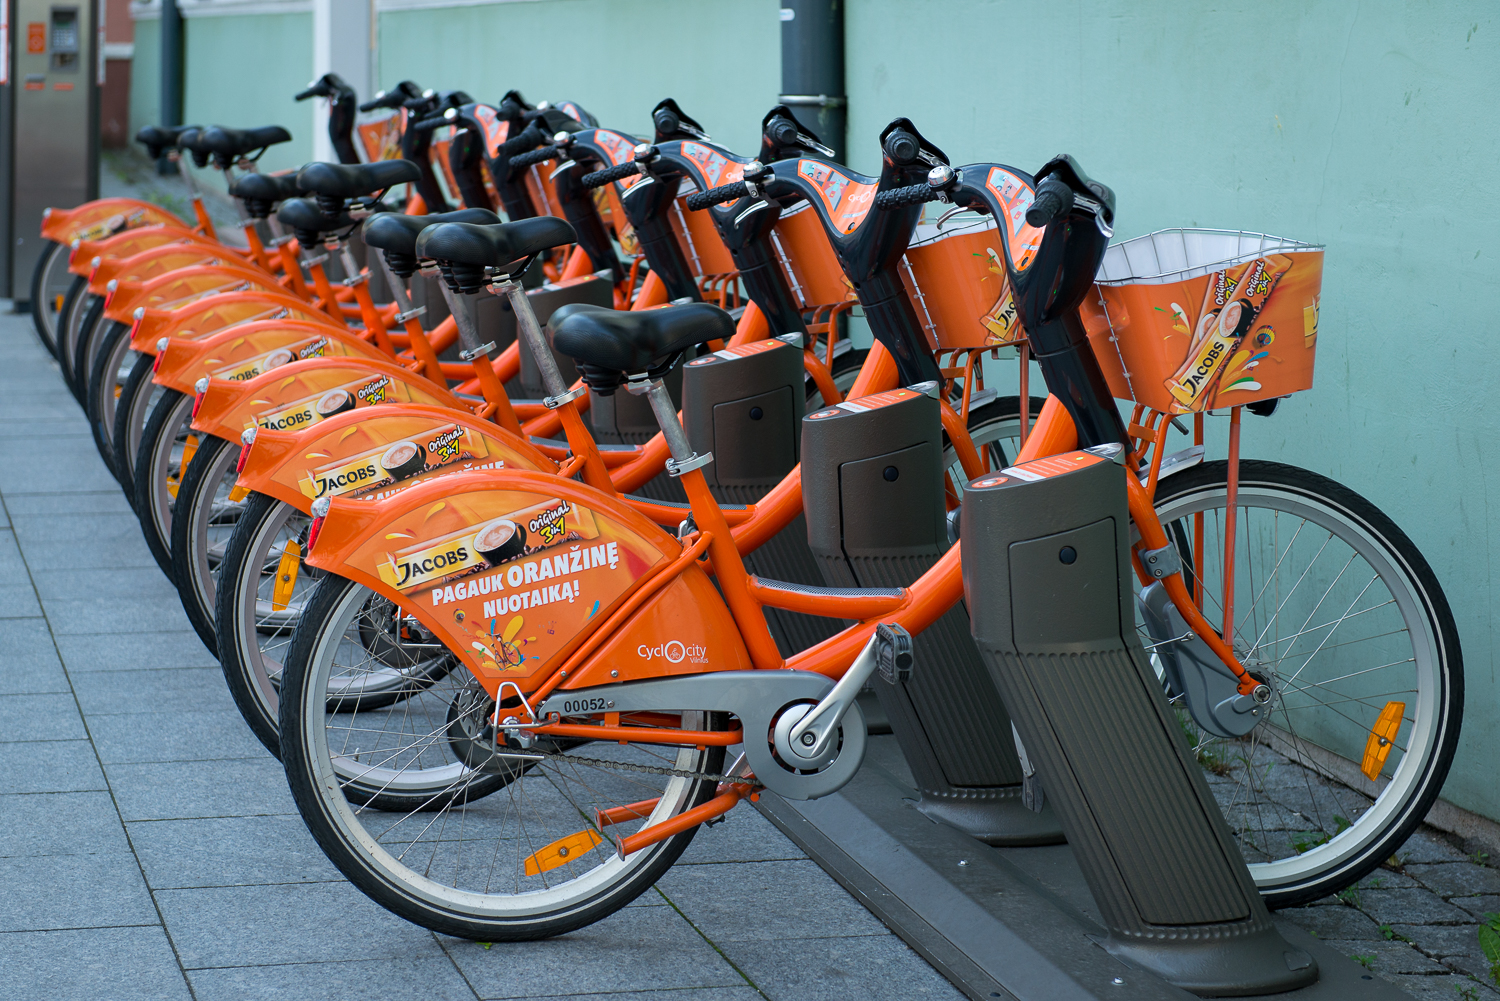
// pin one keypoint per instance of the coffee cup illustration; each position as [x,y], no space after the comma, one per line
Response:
[403,459]
[276,359]
[335,401]
[500,540]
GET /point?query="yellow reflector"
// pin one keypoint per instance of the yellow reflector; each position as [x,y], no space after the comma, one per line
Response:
[189,449]
[286,576]
[1382,739]
[238,494]
[561,851]
[58,307]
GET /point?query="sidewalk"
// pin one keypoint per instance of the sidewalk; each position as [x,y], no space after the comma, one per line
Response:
[150,848]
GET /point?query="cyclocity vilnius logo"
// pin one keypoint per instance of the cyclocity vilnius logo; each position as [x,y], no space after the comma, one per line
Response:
[674,652]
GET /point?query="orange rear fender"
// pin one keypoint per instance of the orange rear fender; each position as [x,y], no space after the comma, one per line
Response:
[304,393]
[247,350]
[350,455]
[101,217]
[515,570]
[203,317]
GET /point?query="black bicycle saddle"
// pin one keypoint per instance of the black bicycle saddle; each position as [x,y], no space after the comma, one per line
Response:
[614,341]
[260,192]
[396,234]
[351,180]
[464,250]
[228,145]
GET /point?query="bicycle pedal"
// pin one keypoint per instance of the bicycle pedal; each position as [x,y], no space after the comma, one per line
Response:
[893,653]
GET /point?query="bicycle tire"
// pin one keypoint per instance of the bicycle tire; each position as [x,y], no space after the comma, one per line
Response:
[192,566]
[75,304]
[132,410]
[44,279]
[106,380]
[374,865]
[1335,851]
[84,349]
[155,463]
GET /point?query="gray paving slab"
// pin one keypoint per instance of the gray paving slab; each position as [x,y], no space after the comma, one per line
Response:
[877,968]
[635,949]
[145,651]
[245,851]
[178,689]
[83,541]
[60,823]
[13,569]
[45,716]
[73,891]
[302,923]
[91,964]
[743,836]
[1455,987]
[1457,879]
[422,978]
[49,766]
[1388,957]
[1334,922]
[29,664]
[1417,906]
[18,601]
[69,502]
[766,901]
[179,790]
[690,994]
[72,463]
[78,583]
[174,736]
[116,616]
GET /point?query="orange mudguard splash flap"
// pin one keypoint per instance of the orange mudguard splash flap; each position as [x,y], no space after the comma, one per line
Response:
[375,454]
[296,396]
[514,570]
[243,352]
[103,216]
[202,317]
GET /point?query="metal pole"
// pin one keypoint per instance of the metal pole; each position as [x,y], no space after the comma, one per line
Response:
[171,74]
[812,68]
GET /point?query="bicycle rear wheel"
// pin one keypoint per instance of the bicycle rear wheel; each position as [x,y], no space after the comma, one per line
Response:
[531,860]
[1340,615]
[49,285]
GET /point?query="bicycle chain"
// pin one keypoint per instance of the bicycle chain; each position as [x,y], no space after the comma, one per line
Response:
[650,769]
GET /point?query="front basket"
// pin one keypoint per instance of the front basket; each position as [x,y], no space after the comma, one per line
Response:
[1186,320]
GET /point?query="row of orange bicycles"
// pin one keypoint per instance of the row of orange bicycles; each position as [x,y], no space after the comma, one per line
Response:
[545,489]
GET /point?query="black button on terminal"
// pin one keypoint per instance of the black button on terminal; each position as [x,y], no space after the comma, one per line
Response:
[1067,554]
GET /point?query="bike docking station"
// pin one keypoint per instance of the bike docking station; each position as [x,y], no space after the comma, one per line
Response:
[1031,712]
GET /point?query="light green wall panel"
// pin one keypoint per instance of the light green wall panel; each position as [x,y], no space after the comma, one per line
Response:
[617,58]
[242,72]
[145,76]
[1369,128]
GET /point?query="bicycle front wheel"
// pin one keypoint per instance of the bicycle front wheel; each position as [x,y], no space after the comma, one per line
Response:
[493,842]
[1338,613]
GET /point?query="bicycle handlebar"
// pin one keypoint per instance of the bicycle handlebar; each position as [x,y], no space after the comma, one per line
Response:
[524,140]
[430,124]
[717,196]
[1053,200]
[618,172]
[912,194]
[533,158]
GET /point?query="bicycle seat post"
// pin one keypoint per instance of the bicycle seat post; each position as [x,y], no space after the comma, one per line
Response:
[559,396]
[478,355]
[410,318]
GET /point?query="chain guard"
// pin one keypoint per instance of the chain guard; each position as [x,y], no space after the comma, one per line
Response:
[756,698]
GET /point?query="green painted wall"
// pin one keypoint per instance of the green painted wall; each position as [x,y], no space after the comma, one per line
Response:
[617,58]
[145,76]
[276,50]
[1368,127]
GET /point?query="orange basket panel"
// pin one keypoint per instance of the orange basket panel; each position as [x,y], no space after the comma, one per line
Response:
[813,270]
[959,287]
[1191,320]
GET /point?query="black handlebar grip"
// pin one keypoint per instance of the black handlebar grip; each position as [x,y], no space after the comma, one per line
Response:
[309,92]
[523,140]
[716,196]
[618,172]
[429,124]
[1053,200]
[913,194]
[534,157]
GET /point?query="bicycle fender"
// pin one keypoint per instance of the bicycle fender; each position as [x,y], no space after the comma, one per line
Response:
[252,349]
[101,217]
[217,312]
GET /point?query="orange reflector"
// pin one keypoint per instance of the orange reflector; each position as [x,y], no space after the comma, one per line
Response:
[286,576]
[58,307]
[1382,739]
[189,449]
[238,494]
[561,851]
